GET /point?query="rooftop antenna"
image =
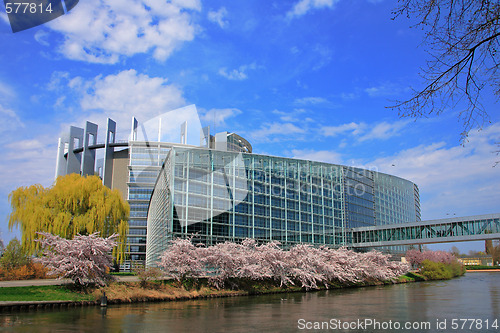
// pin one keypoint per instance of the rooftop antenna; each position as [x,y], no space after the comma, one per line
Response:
[159,130]
[215,112]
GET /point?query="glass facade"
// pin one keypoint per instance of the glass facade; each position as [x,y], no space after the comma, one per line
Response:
[396,200]
[222,196]
[145,160]
[238,143]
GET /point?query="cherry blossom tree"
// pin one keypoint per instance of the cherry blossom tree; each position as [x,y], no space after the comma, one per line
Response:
[84,259]
[276,263]
[307,266]
[415,257]
[253,260]
[302,264]
[182,259]
[224,261]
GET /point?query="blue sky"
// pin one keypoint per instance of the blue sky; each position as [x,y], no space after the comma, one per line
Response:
[305,78]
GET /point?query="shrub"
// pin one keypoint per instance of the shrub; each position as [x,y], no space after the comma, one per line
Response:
[14,255]
[436,265]
[146,275]
[30,271]
[457,268]
[435,270]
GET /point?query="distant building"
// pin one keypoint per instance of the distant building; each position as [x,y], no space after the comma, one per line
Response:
[483,260]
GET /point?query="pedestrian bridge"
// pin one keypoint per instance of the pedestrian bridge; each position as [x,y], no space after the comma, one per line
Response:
[456,229]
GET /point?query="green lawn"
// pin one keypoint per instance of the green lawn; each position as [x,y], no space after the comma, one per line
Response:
[123,273]
[480,267]
[42,293]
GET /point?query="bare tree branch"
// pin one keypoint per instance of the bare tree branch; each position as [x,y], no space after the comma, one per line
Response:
[463,39]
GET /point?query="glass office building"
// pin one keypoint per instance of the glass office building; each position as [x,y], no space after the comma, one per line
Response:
[218,196]
[212,186]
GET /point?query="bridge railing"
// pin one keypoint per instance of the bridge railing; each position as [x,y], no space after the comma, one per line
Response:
[435,231]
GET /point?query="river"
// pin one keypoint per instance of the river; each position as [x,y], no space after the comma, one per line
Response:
[467,304]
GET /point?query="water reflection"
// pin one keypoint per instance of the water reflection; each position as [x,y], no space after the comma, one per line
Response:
[475,295]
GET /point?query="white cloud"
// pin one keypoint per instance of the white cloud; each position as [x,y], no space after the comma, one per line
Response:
[41,37]
[28,162]
[348,96]
[365,132]
[218,17]
[384,90]
[297,115]
[219,116]
[311,100]
[10,120]
[237,74]
[268,130]
[458,179]
[318,155]
[101,31]
[304,6]
[353,128]
[60,102]
[25,145]
[384,130]
[57,80]
[124,95]
[5,91]
[323,56]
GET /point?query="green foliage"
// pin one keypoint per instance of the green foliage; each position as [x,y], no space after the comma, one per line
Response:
[411,277]
[494,251]
[435,270]
[440,271]
[190,283]
[73,205]
[457,269]
[14,255]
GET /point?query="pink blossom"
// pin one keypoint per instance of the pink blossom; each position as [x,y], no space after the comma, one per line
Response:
[304,264]
[415,257]
[181,260]
[84,259]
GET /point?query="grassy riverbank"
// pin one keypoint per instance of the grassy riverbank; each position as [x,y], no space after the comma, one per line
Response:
[44,293]
[166,290]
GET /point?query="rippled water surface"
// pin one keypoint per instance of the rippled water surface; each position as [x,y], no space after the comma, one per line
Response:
[428,306]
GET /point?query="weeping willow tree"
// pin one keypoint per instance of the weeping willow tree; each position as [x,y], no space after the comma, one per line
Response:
[73,205]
